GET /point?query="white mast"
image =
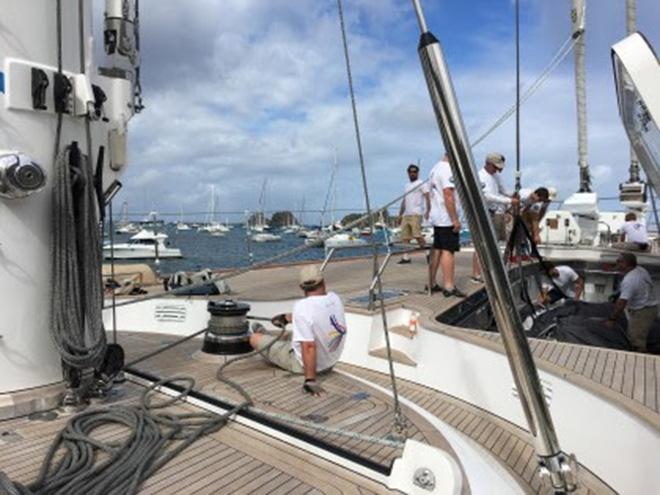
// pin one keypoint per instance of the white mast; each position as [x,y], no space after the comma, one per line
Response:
[578,19]
[631,27]
[52,91]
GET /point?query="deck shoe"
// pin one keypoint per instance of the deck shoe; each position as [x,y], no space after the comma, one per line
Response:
[477,280]
[404,261]
[434,289]
[453,292]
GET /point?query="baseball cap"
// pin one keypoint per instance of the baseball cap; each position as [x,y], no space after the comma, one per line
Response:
[310,276]
[496,159]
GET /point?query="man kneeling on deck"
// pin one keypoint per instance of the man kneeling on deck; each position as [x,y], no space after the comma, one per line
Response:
[319,331]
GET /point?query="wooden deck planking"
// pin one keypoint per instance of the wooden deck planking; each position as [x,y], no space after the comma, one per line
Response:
[223,462]
[511,445]
[639,385]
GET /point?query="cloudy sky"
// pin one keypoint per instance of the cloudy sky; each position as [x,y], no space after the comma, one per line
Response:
[238,91]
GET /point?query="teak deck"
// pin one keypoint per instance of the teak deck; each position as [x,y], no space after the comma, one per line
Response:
[238,459]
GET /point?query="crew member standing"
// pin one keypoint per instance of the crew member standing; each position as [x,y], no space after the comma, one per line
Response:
[446,228]
[497,201]
[414,206]
[637,298]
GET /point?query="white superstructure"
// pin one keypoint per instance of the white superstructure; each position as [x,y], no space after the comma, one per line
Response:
[146,244]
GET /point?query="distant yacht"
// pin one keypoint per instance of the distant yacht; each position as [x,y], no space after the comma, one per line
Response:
[266,237]
[146,244]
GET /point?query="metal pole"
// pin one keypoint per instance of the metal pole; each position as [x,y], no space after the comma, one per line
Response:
[497,282]
[631,27]
[517,187]
[577,18]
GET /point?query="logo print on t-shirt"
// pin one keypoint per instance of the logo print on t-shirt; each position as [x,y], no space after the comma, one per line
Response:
[335,335]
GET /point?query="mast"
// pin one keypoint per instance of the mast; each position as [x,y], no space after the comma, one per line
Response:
[631,27]
[578,19]
[500,294]
[334,191]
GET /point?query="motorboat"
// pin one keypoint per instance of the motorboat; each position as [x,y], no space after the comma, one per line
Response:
[344,240]
[146,244]
[129,228]
[265,237]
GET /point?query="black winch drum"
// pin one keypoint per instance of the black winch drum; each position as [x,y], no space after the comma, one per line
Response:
[228,330]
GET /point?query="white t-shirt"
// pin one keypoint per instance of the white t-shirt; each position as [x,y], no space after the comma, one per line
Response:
[440,178]
[320,319]
[414,202]
[635,232]
[494,192]
[566,280]
[637,289]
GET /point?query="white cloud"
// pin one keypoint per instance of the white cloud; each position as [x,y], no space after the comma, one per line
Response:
[240,90]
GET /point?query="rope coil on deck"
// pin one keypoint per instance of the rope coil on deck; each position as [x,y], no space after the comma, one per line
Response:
[96,467]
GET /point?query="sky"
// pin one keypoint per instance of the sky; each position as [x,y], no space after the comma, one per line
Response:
[240,91]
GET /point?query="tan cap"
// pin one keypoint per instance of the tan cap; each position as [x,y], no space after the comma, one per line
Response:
[496,159]
[310,276]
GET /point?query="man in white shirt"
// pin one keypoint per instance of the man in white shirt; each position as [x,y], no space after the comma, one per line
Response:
[319,332]
[567,280]
[634,236]
[497,200]
[446,228]
[637,298]
[415,204]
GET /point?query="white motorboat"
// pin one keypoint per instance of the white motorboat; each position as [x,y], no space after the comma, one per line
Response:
[129,228]
[182,227]
[146,244]
[344,240]
[265,237]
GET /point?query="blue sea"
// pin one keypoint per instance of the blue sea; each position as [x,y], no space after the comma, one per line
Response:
[201,250]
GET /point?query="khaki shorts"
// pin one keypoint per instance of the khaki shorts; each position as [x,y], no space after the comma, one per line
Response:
[280,354]
[639,324]
[499,224]
[411,227]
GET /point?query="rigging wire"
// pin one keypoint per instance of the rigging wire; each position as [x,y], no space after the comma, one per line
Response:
[112,274]
[399,420]
[559,56]
[517,188]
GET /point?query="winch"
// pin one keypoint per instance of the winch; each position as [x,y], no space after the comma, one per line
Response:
[228,329]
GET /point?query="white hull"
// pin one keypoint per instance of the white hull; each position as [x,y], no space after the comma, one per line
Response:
[344,241]
[266,237]
[127,253]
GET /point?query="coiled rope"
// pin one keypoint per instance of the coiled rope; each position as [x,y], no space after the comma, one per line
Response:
[77,295]
[92,466]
